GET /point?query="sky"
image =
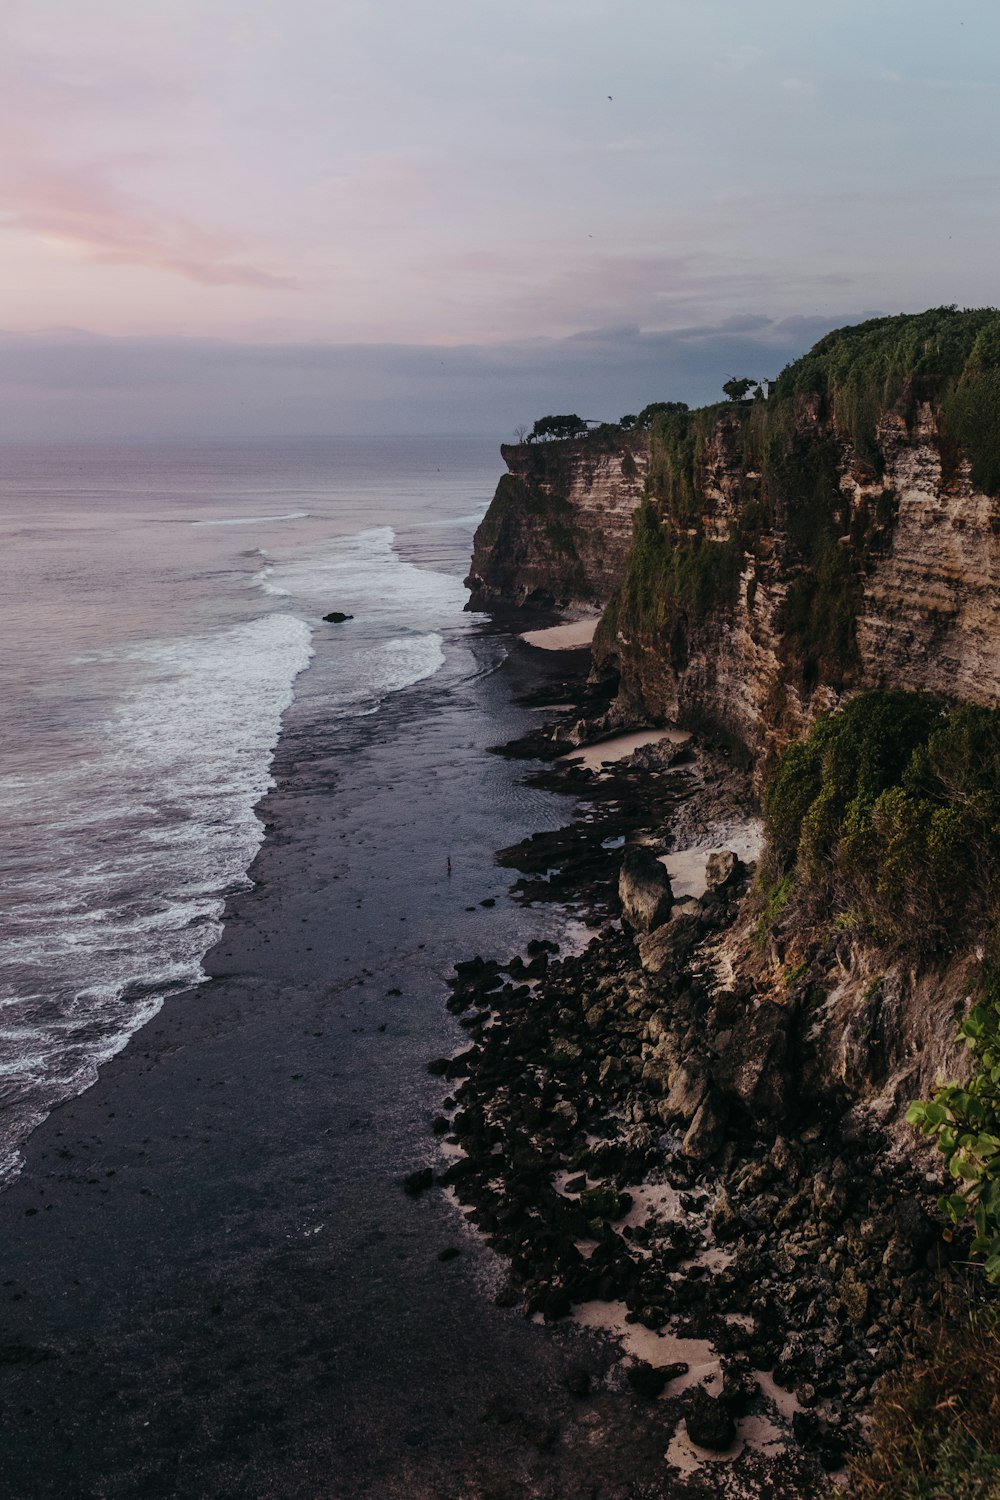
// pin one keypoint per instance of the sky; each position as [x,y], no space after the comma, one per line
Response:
[348,215]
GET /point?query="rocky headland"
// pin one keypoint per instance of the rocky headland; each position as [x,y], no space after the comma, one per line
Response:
[694,1131]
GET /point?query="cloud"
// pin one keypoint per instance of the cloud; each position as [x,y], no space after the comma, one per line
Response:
[66,386]
[83,210]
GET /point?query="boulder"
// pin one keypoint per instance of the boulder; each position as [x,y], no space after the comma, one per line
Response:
[337,617]
[707,1131]
[668,947]
[644,889]
[722,869]
[688,1089]
[708,1422]
[754,1065]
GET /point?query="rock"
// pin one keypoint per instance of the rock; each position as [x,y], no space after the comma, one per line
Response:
[556,1305]
[726,1222]
[644,890]
[577,1381]
[854,1296]
[753,1066]
[563,1118]
[605,1203]
[707,1130]
[337,617]
[418,1182]
[564,1052]
[647,1381]
[708,1422]
[669,946]
[722,869]
[688,1089]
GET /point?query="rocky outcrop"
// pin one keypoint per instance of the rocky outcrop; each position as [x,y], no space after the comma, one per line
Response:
[560,525]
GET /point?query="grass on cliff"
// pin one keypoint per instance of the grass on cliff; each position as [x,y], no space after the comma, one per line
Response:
[935,1432]
[888,814]
[946,356]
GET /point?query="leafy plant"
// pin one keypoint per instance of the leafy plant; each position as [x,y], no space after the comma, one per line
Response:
[964,1122]
[890,810]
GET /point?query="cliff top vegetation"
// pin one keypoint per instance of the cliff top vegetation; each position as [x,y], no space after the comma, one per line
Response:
[944,355]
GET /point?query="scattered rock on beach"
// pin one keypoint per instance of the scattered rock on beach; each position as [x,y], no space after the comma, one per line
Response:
[644,889]
[708,1422]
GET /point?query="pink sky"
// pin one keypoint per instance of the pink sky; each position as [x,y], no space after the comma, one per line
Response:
[446,173]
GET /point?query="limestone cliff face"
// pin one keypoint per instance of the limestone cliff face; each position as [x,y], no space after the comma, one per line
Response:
[559,527]
[913,587]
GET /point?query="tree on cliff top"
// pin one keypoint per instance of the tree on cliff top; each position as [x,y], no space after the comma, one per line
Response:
[645,417]
[558,427]
[738,389]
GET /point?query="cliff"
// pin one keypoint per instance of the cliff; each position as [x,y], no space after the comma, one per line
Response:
[559,529]
[844,534]
[758,560]
[786,555]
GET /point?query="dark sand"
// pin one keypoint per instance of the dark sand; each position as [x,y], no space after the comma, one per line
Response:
[212,1284]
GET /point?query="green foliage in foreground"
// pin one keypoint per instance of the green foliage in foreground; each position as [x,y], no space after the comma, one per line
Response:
[889,811]
[964,1122]
[887,817]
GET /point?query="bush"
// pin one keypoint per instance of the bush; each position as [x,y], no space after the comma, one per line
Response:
[890,810]
[964,1122]
[949,357]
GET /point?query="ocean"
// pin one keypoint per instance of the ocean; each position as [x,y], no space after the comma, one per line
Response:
[161,606]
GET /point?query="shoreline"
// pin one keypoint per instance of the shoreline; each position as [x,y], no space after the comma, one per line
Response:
[213,1282]
[626,1199]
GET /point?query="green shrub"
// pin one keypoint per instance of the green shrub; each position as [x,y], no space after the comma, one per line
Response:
[964,1122]
[943,355]
[890,809]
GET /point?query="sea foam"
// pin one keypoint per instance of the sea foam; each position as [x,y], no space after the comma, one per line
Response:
[126,855]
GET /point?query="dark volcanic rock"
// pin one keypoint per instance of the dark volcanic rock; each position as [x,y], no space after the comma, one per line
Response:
[708,1422]
[418,1182]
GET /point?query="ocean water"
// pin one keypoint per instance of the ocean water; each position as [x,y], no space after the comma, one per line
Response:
[159,606]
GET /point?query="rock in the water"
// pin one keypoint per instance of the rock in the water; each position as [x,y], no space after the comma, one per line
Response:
[722,869]
[708,1422]
[644,889]
[418,1182]
[337,617]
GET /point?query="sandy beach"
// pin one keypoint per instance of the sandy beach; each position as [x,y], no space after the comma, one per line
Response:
[573,636]
[620,746]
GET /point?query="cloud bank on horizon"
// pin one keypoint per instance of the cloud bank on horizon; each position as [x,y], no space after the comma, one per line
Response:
[477,177]
[76,386]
